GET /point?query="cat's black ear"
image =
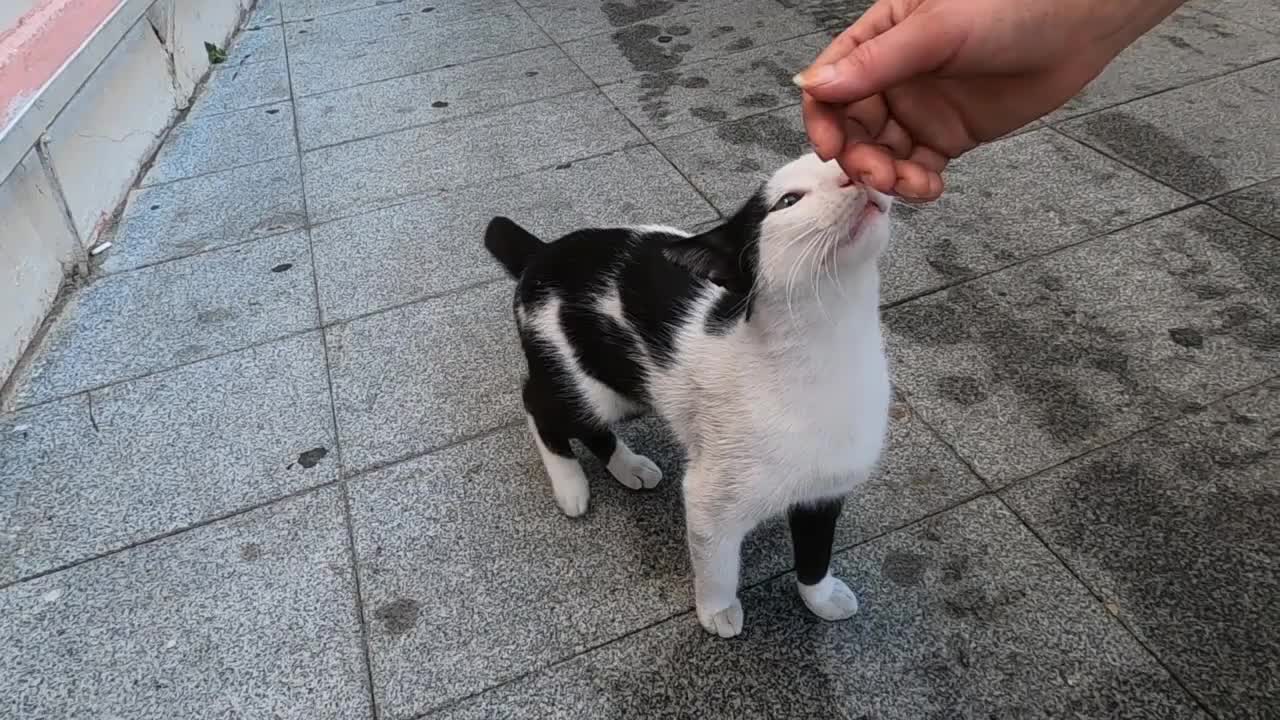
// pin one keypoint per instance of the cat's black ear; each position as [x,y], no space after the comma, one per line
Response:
[511,245]
[714,255]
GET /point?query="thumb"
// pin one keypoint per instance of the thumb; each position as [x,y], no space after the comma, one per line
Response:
[914,46]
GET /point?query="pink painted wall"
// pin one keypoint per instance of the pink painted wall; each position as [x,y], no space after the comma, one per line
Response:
[39,42]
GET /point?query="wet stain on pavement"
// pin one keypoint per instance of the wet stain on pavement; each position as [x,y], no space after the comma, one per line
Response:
[766,132]
[398,616]
[1156,151]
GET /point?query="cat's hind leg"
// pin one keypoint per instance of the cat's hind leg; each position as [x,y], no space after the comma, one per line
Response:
[630,468]
[550,427]
[813,529]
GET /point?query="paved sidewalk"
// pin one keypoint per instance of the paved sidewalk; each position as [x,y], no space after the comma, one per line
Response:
[270,460]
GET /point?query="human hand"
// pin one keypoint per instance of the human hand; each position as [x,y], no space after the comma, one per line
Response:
[913,84]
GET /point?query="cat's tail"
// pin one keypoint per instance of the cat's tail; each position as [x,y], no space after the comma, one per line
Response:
[511,245]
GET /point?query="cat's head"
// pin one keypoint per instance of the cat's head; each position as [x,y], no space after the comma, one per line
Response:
[808,225]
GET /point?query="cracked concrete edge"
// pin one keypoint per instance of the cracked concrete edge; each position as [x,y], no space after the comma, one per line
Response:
[93,131]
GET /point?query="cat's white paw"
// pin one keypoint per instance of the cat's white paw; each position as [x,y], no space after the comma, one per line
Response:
[830,599]
[572,497]
[726,622]
[634,471]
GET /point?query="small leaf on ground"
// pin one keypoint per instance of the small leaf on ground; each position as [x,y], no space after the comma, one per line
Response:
[216,54]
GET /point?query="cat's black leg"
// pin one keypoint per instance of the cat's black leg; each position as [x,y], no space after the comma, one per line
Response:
[813,529]
[631,469]
[548,426]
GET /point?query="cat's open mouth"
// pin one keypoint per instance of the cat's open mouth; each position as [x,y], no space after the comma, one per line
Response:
[871,211]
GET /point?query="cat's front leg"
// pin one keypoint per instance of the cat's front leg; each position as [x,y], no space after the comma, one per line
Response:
[715,545]
[813,529]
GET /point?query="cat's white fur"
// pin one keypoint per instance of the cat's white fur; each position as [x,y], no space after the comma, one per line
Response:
[790,407]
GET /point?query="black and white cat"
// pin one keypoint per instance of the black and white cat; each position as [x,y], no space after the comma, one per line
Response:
[758,341]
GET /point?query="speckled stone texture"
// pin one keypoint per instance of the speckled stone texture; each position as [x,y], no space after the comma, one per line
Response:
[425,375]
[252,617]
[718,31]
[204,144]
[964,615]
[434,245]
[269,459]
[701,94]
[552,586]
[1203,139]
[1019,198]
[1192,44]
[435,96]
[100,471]
[379,171]
[1258,205]
[182,218]
[1025,369]
[1176,530]
[132,324]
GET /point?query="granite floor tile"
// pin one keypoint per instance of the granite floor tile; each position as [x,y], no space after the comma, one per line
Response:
[266,13]
[701,94]
[91,474]
[296,10]
[361,260]
[1204,139]
[132,324]
[1023,196]
[560,585]
[965,615]
[338,51]
[207,212]
[256,44]
[249,617]
[572,19]
[425,375]
[1258,205]
[375,172]
[202,145]
[835,14]
[651,47]
[238,87]
[1176,530]
[1189,45]
[728,162]
[1262,14]
[438,95]
[1030,367]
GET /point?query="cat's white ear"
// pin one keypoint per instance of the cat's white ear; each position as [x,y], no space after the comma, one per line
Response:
[713,256]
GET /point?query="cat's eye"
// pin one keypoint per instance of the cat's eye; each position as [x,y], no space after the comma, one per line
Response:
[786,201]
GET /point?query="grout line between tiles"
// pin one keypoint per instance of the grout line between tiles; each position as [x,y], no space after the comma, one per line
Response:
[600,90]
[965,280]
[358,598]
[487,112]
[419,454]
[1120,161]
[243,510]
[747,587]
[1115,617]
[1155,93]
[436,68]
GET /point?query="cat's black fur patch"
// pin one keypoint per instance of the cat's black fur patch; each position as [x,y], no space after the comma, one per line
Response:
[657,276]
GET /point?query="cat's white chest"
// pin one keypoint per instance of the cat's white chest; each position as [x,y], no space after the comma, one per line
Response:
[824,438]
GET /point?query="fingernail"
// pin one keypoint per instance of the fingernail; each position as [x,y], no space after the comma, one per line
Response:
[814,76]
